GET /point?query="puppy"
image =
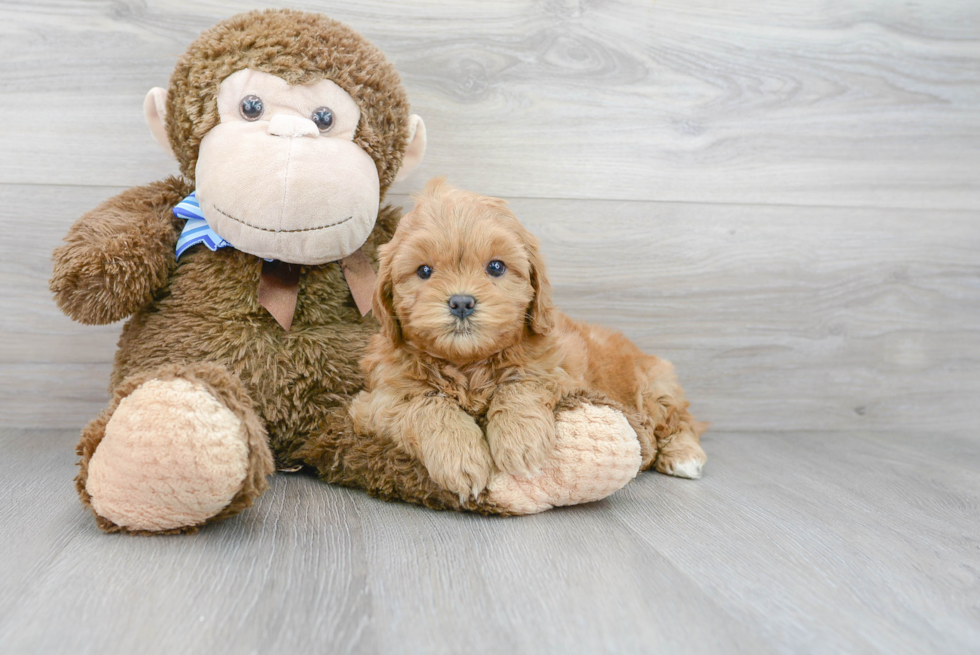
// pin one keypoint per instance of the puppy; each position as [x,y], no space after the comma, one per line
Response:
[472,356]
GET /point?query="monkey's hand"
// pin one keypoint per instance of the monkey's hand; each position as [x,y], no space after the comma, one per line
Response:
[115,257]
[521,427]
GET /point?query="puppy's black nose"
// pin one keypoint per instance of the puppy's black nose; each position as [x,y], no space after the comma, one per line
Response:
[462,306]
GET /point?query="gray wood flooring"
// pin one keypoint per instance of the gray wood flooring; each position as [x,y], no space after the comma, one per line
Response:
[782,198]
[806,542]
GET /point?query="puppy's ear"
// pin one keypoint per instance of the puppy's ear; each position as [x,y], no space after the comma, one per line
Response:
[383,301]
[541,313]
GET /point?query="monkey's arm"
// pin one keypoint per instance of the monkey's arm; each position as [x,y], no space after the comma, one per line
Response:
[115,257]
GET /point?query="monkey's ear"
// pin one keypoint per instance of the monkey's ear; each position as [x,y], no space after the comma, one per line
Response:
[416,147]
[155,113]
[383,302]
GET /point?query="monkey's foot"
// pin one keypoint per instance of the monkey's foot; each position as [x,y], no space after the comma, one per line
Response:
[596,454]
[172,456]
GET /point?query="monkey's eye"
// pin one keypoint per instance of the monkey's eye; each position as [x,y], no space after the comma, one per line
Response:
[323,118]
[496,268]
[251,108]
[424,271]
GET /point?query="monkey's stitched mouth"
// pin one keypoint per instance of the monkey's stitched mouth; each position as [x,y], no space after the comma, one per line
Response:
[266,229]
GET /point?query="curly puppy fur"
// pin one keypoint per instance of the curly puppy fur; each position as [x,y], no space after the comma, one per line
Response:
[470,394]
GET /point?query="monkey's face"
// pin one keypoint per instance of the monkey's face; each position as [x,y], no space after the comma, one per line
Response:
[280,176]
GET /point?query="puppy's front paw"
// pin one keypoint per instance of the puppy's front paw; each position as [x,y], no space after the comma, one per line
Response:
[520,443]
[458,459]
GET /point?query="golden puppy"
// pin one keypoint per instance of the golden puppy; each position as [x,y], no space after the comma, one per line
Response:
[472,356]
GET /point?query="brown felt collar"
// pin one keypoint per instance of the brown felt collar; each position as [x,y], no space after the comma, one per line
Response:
[279,286]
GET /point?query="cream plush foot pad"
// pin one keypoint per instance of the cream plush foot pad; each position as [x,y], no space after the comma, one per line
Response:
[172,456]
[596,454]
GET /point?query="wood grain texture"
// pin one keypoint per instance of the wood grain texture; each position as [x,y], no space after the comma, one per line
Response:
[810,542]
[776,317]
[843,103]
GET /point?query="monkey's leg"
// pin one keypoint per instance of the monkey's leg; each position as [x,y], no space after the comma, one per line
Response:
[596,453]
[372,463]
[177,447]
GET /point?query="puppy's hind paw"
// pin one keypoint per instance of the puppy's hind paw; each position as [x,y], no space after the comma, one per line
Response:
[687,462]
[690,468]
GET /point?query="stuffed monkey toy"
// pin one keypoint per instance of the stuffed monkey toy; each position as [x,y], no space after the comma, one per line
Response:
[246,281]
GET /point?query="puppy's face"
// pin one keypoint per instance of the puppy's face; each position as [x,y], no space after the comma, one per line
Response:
[461,279]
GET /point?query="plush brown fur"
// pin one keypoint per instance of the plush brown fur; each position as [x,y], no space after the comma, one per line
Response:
[300,48]
[117,256]
[199,318]
[437,382]
[298,383]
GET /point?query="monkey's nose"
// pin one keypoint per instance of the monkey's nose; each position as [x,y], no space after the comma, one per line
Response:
[292,126]
[462,306]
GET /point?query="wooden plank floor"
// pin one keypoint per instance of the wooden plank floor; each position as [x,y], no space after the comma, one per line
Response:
[781,198]
[803,542]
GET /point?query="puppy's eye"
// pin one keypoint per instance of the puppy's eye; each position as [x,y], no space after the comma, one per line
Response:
[251,108]
[424,272]
[496,268]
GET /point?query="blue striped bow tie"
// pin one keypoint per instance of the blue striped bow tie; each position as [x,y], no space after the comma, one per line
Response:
[196,230]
